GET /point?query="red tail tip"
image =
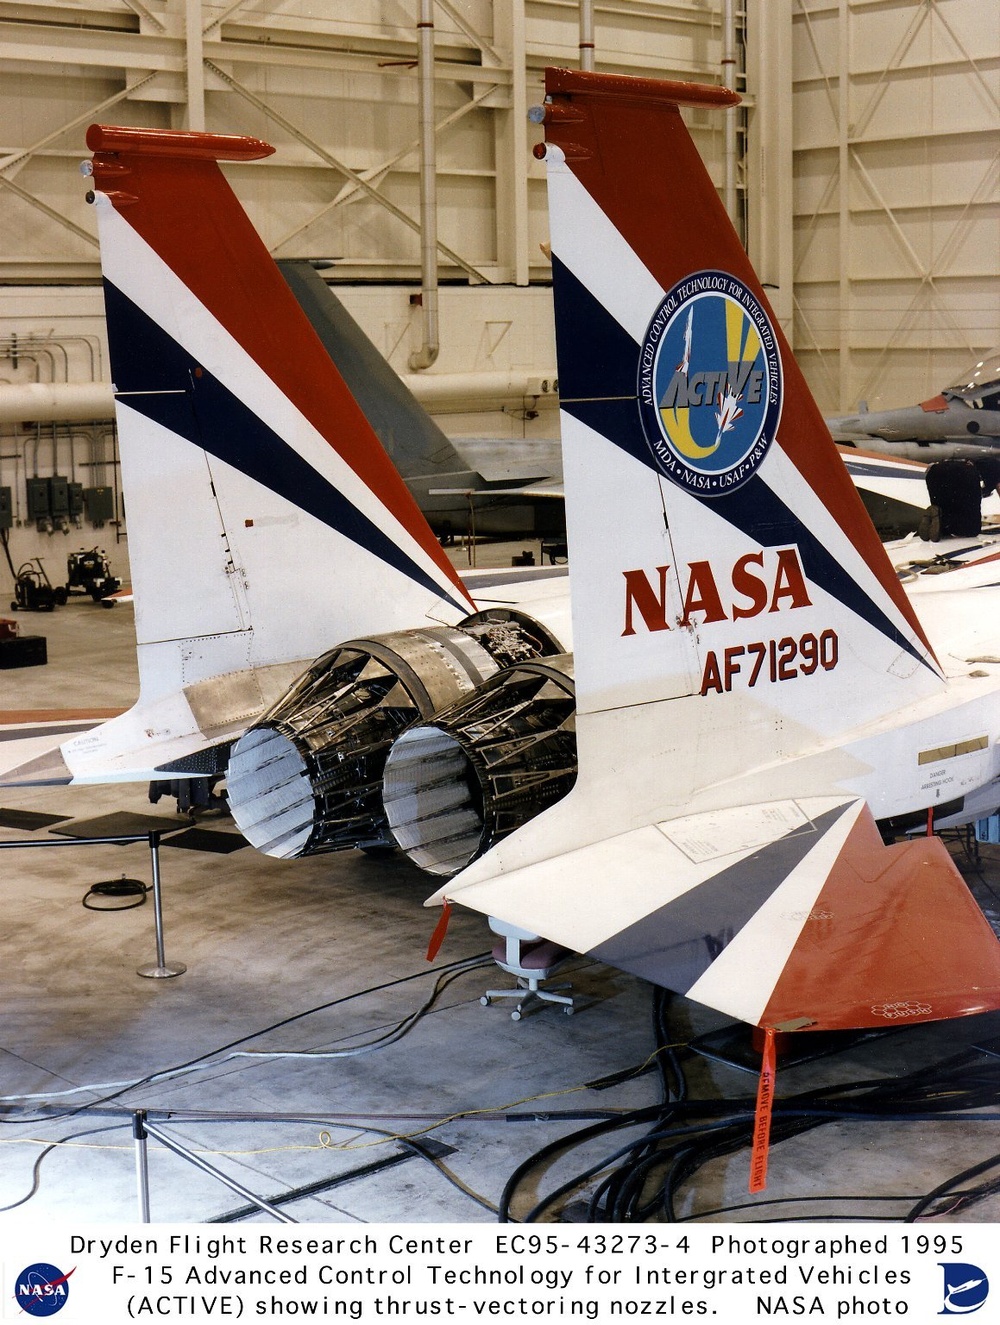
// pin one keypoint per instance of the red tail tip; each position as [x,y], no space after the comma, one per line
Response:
[176,142]
[568,81]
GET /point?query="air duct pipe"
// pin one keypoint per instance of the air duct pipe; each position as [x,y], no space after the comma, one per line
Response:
[428,352]
[86,402]
[56,402]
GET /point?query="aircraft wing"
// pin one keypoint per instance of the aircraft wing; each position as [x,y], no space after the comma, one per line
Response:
[538,489]
[545,489]
[786,914]
[902,480]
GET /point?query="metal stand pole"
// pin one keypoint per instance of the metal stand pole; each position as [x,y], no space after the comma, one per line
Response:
[161,970]
[141,1162]
[205,1167]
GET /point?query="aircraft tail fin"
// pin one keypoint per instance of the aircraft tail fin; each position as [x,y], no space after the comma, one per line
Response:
[297,530]
[738,627]
[413,441]
[719,547]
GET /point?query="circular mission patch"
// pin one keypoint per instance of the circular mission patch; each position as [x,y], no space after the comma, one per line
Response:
[710,383]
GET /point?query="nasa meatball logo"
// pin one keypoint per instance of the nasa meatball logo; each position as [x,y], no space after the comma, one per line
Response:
[41,1289]
[710,384]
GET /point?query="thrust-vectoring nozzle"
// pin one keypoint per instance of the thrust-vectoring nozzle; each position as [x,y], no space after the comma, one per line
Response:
[455,787]
[307,777]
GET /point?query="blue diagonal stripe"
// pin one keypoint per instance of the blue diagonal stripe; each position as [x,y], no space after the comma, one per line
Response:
[151,369]
[598,372]
[675,945]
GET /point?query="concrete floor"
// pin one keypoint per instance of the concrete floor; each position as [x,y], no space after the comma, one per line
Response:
[330,952]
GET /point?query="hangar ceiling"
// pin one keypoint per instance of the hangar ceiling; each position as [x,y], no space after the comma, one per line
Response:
[338,97]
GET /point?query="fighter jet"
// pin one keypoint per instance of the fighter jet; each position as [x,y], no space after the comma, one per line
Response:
[962,422]
[516,489]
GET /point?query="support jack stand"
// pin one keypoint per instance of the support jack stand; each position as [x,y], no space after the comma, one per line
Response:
[161,970]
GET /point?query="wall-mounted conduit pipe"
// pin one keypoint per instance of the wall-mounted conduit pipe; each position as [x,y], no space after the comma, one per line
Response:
[586,34]
[729,80]
[428,352]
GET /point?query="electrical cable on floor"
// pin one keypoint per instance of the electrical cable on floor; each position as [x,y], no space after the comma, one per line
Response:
[444,977]
[380,1042]
[644,1175]
[211,1057]
[312,1189]
[961,1199]
[36,1169]
[863,1198]
[116,888]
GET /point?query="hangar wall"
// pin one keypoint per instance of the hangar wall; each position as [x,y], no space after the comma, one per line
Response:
[897,195]
[869,198]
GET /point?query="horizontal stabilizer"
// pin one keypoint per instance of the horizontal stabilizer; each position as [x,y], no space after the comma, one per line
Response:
[30,741]
[176,732]
[787,912]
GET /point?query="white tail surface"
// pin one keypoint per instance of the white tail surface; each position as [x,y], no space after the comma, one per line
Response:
[265,520]
[738,628]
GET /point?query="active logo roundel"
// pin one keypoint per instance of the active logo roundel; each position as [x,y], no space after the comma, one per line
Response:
[710,383]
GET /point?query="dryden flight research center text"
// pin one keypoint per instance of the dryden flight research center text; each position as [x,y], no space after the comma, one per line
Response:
[481,1273]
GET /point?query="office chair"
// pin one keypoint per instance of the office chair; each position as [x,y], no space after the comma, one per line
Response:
[531,960]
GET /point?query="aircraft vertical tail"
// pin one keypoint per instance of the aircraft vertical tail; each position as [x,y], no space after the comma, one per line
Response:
[740,563]
[413,441]
[265,520]
[737,625]
[733,607]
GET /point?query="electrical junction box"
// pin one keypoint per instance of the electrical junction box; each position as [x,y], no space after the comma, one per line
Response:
[75,493]
[59,496]
[6,508]
[99,504]
[23,651]
[37,491]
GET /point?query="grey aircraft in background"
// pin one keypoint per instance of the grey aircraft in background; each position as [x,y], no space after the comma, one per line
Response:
[961,423]
[497,489]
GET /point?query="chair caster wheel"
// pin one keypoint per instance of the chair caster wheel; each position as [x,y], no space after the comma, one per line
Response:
[568,1011]
[485,1001]
[515,1015]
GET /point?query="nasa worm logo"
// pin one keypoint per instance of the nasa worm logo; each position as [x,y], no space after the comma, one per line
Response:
[42,1290]
[710,383]
[966,1288]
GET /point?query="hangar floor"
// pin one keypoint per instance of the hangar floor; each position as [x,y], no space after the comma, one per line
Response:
[278,1056]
